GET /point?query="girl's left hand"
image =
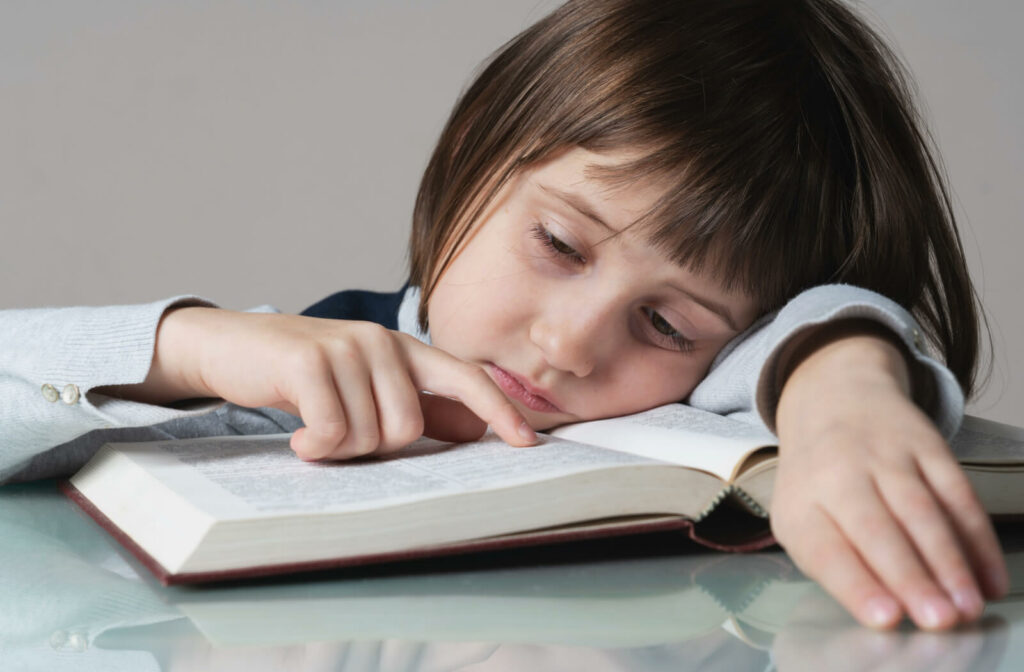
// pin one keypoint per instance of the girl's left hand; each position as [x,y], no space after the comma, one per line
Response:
[869,500]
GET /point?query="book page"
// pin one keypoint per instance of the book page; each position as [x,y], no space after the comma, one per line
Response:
[981,441]
[678,434]
[238,476]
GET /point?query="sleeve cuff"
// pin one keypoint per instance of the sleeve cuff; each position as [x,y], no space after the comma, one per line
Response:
[89,347]
[934,387]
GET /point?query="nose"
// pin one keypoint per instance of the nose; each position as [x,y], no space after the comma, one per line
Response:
[574,339]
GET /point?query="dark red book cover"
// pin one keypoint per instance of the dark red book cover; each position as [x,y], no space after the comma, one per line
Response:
[739,540]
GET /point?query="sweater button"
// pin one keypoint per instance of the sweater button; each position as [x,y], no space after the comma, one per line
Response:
[69,395]
[50,392]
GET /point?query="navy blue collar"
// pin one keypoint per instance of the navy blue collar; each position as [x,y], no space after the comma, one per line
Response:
[360,304]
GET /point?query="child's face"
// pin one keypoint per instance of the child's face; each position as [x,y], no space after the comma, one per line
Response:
[598,330]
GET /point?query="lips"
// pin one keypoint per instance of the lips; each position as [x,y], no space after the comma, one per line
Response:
[521,391]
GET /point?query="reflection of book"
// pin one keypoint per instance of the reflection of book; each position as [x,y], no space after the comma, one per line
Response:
[225,507]
[642,602]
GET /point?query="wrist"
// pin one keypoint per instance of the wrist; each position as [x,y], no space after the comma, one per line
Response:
[169,378]
[850,357]
[834,366]
[853,347]
[175,368]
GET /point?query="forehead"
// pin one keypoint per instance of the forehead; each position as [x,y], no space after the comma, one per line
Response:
[595,188]
[597,179]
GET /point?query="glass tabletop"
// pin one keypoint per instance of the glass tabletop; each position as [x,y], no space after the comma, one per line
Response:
[70,598]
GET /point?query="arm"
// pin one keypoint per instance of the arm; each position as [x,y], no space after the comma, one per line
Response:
[869,499]
[861,411]
[98,354]
[356,385]
[746,379]
[162,384]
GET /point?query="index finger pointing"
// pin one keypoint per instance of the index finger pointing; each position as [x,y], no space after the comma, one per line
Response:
[436,371]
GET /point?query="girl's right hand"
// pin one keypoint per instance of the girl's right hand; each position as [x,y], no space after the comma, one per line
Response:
[356,385]
[869,500]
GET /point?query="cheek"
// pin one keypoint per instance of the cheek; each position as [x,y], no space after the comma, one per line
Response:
[651,380]
[485,292]
[447,317]
[468,311]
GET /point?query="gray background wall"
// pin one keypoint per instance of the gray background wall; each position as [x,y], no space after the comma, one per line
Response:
[267,152]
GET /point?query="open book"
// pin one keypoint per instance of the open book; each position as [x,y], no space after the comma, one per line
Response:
[217,508]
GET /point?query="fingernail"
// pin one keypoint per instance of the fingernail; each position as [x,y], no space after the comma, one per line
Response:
[933,612]
[968,601]
[882,611]
[527,432]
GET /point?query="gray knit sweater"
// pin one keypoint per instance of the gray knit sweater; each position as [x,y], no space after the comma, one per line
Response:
[51,359]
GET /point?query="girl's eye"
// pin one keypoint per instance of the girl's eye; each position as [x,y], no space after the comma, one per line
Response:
[557,247]
[668,333]
[664,332]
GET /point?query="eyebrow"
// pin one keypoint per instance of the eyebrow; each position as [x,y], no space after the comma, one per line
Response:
[580,205]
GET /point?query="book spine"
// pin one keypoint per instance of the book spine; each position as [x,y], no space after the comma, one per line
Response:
[749,501]
[738,493]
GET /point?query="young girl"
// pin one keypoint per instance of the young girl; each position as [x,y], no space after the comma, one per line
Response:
[637,202]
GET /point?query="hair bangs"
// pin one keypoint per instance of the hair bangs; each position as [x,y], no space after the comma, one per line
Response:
[738,232]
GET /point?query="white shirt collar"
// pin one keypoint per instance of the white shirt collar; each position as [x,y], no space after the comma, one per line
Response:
[407,323]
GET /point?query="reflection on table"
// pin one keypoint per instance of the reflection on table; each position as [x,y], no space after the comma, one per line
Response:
[70,598]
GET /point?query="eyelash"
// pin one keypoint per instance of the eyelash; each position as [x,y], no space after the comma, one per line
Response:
[562,250]
[555,245]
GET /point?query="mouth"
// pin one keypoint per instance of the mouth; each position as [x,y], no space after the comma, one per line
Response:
[521,391]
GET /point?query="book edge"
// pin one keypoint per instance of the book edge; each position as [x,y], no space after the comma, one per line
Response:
[90,509]
[522,540]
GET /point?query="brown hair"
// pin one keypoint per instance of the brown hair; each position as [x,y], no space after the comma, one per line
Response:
[785,130]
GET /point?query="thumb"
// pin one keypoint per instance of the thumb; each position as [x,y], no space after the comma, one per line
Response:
[446,419]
